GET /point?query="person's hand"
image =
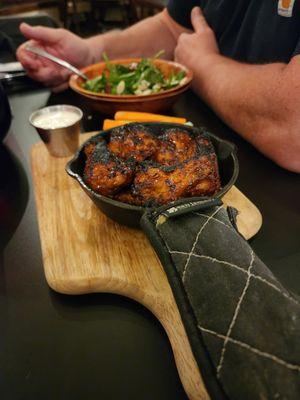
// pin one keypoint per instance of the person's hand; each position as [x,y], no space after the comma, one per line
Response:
[198,47]
[58,42]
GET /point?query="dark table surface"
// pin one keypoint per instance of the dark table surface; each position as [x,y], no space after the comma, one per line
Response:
[105,346]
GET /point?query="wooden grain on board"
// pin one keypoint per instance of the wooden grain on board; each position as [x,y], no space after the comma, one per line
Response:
[86,252]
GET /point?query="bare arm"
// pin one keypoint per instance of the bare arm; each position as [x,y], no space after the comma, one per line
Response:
[260,102]
[142,39]
[145,38]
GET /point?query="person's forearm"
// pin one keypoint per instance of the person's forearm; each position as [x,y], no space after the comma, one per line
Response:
[142,39]
[261,102]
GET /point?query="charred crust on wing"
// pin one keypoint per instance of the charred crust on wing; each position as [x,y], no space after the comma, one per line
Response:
[146,165]
[135,166]
[132,142]
[105,173]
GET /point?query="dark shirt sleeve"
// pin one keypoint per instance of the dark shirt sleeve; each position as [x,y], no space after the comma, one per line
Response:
[297,50]
[180,11]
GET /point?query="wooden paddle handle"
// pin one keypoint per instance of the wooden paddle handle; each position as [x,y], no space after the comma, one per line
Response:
[188,370]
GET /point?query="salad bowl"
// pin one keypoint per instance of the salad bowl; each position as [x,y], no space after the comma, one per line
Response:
[109,103]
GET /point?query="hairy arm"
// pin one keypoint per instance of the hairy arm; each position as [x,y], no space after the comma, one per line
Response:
[142,39]
[145,38]
[260,102]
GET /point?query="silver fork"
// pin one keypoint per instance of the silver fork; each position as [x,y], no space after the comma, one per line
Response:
[42,53]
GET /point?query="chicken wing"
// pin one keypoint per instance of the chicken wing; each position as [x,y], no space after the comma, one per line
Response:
[138,168]
[135,143]
[157,185]
[105,173]
[175,146]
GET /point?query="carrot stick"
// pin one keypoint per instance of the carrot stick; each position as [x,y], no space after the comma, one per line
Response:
[110,123]
[146,117]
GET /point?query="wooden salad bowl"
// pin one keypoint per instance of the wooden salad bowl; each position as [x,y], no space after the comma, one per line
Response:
[108,104]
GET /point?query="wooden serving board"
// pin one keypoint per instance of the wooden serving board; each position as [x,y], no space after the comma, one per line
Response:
[85,252]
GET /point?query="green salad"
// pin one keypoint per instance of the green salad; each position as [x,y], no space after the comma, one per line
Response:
[140,78]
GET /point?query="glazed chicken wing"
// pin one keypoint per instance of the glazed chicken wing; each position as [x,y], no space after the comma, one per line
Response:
[175,146]
[158,185]
[204,176]
[132,143]
[105,173]
[138,168]
[155,184]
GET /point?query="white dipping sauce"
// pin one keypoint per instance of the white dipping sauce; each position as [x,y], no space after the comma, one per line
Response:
[55,119]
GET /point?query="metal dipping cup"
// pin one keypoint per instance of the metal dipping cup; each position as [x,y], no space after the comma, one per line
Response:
[60,141]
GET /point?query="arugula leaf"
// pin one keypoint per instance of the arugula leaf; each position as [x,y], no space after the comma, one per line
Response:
[97,84]
[137,78]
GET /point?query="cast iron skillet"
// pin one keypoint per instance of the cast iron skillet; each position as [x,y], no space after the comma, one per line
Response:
[130,215]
